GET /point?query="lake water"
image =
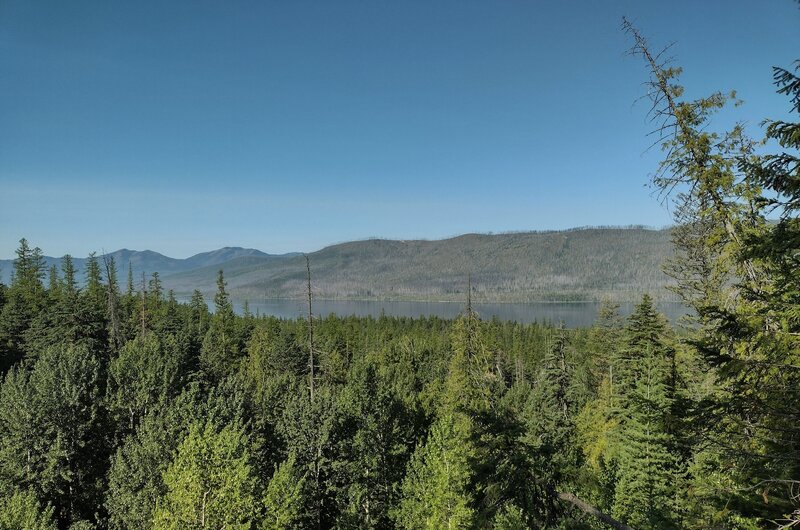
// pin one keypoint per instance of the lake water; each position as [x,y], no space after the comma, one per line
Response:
[570,314]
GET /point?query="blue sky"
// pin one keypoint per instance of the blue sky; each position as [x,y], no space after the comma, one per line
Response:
[286,126]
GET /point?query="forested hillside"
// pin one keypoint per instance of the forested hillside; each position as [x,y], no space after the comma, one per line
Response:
[581,264]
[147,262]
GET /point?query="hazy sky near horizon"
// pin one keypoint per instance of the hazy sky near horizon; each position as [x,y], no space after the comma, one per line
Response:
[186,126]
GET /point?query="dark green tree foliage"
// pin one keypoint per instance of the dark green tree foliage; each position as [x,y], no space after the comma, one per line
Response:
[136,482]
[307,427]
[737,267]
[53,433]
[53,285]
[549,417]
[135,478]
[274,350]
[25,298]
[645,488]
[68,320]
[437,487]
[375,442]
[198,420]
[94,292]
[147,372]
[222,348]
[113,309]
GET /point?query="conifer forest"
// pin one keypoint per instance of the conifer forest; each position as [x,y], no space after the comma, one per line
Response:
[124,408]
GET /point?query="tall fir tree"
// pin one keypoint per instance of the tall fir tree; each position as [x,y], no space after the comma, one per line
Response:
[25,299]
[222,349]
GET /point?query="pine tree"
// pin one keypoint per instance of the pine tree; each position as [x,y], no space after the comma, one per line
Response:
[736,265]
[52,431]
[549,437]
[68,269]
[156,289]
[131,290]
[25,298]
[135,483]
[146,372]
[94,282]
[308,427]
[373,434]
[221,352]
[53,283]
[644,494]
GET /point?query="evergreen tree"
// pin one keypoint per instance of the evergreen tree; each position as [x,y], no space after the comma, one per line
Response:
[510,517]
[736,266]
[644,493]
[69,320]
[200,316]
[146,372]
[68,269]
[374,435]
[25,298]
[221,351]
[52,431]
[94,291]
[131,290]
[307,426]
[136,475]
[156,289]
[549,417]
[53,283]
[112,303]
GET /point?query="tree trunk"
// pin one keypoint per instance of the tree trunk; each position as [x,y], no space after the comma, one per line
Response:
[591,510]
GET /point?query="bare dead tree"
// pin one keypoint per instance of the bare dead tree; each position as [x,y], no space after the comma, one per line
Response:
[588,509]
[144,305]
[111,288]
[310,332]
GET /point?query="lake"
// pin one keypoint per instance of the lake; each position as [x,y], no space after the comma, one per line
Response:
[570,314]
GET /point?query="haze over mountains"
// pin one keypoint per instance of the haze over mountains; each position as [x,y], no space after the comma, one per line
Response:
[578,264]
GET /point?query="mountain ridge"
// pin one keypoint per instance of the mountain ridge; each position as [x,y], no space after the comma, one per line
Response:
[560,265]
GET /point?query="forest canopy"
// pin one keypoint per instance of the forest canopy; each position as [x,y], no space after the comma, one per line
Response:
[122,408]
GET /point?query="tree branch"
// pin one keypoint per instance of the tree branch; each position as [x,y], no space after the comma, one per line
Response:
[587,508]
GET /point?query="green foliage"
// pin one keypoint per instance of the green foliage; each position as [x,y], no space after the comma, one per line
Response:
[436,490]
[222,345]
[53,431]
[135,478]
[283,498]
[21,510]
[146,372]
[136,475]
[308,427]
[374,435]
[736,266]
[510,518]
[25,298]
[210,482]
